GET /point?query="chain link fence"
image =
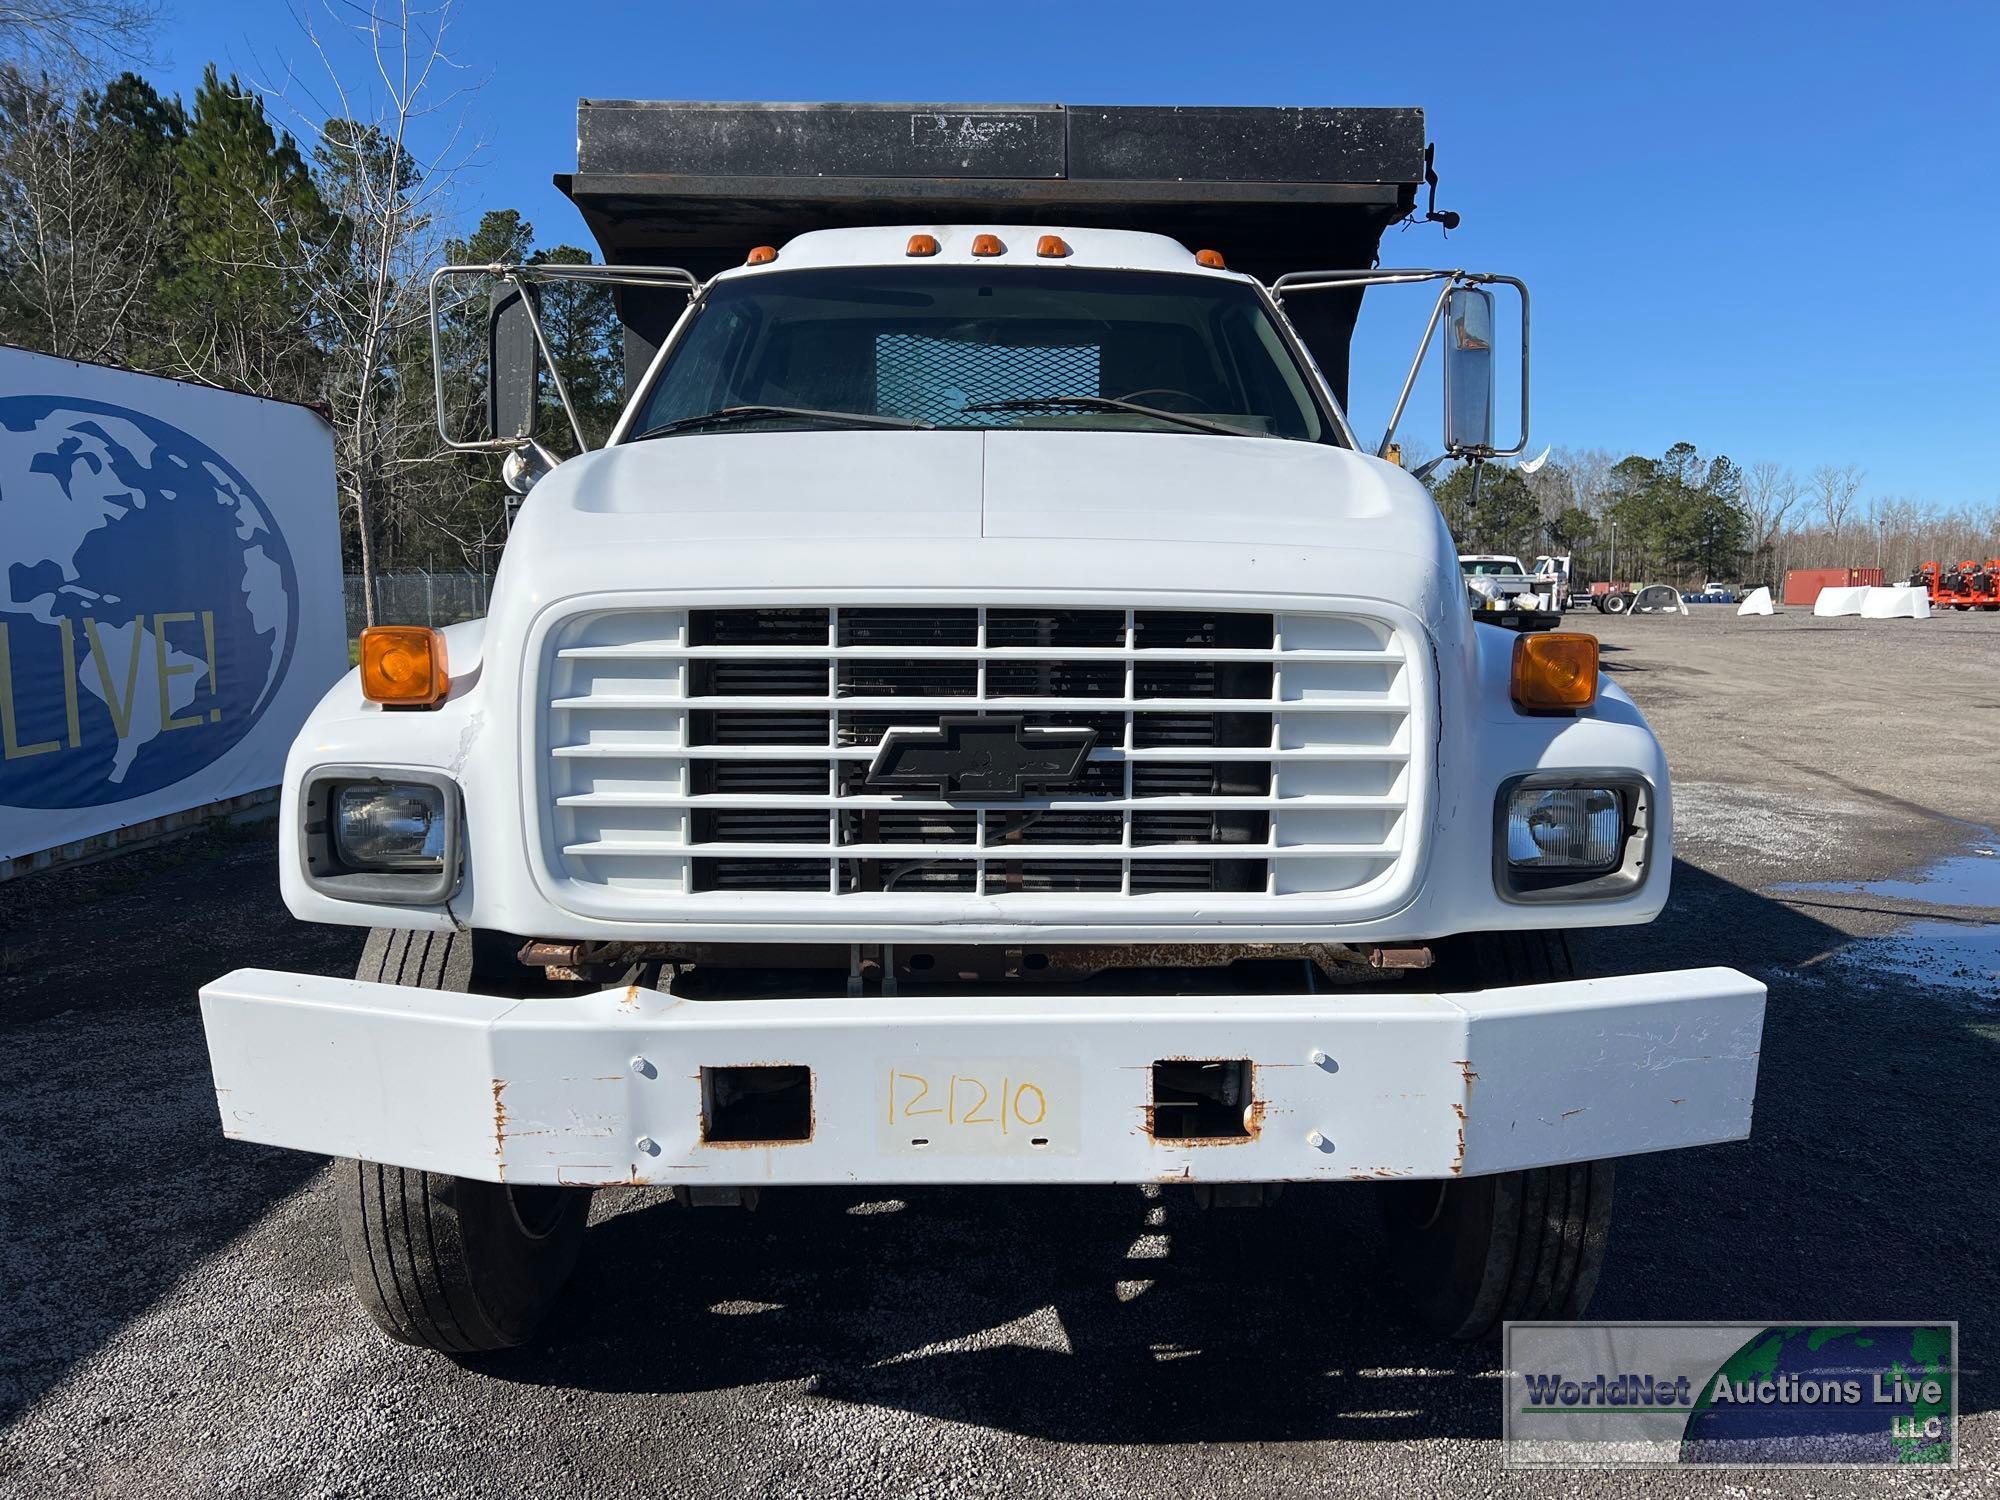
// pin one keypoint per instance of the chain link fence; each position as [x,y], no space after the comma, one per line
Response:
[417,598]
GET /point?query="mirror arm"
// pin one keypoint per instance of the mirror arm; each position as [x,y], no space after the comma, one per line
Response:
[1326,281]
[1323,281]
[522,276]
[505,273]
[555,376]
[437,357]
[1416,366]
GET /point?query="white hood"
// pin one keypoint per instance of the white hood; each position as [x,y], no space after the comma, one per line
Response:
[1114,486]
[894,509]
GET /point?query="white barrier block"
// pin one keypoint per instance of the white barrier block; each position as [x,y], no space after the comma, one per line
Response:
[1842,601]
[1899,601]
[1757,602]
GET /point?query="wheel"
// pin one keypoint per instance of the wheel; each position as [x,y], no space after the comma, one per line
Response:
[451,1263]
[1473,1252]
[1615,604]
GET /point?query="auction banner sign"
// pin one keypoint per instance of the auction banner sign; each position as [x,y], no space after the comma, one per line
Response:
[1731,1395]
[170,595]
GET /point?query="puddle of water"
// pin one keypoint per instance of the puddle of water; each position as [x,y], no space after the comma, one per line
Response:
[1956,956]
[1962,880]
[1960,959]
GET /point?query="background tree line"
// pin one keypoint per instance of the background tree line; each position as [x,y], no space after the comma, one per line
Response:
[1685,518]
[209,241]
[239,241]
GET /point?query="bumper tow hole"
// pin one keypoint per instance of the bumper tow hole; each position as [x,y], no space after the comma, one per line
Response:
[1200,1100]
[757,1106]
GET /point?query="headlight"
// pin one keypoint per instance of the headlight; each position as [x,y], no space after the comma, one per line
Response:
[1572,835]
[389,835]
[1575,828]
[390,825]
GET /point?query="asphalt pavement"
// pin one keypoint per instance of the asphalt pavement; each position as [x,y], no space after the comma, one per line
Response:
[175,1317]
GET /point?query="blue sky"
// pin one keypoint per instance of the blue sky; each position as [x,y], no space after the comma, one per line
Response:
[1765,229]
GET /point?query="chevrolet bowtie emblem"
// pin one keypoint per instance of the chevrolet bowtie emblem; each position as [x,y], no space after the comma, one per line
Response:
[967,756]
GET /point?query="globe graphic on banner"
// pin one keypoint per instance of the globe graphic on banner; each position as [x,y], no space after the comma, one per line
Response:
[148,603]
[1831,1432]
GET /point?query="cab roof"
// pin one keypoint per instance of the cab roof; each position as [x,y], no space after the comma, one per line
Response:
[889,244]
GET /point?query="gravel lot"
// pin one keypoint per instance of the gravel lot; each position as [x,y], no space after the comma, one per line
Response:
[175,1317]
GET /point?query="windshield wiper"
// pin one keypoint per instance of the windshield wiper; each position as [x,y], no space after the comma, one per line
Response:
[724,415]
[1109,403]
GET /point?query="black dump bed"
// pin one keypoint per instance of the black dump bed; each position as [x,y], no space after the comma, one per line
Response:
[1275,190]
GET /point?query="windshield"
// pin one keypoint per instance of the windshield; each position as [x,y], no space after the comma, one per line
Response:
[933,345]
[1488,567]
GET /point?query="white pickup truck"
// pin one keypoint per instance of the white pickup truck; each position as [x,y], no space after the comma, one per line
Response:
[982,718]
[1498,583]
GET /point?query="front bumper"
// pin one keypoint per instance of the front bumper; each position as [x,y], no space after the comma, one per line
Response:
[1014,1087]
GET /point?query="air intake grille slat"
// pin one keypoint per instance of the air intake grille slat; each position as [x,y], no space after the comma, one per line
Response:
[659,788]
[1071,629]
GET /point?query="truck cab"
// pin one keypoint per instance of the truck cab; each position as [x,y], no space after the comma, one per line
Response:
[984,717]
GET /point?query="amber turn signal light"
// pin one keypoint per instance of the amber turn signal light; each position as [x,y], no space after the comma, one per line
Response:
[987,244]
[403,665]
[922,244]
[1212,259]
[1555,671]
[1051,247]
[763,255]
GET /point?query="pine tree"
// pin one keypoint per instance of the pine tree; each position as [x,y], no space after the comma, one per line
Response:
[138,134]
[249,223]
[1505,518]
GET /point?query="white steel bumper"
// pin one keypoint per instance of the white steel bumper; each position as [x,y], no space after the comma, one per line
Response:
[1024,1086]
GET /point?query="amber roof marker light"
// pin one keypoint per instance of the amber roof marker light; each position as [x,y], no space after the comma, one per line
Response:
[403,665]
[1555,671]
[922,244]
[1051,247]
[763,255]
[987,244]
[1211,259]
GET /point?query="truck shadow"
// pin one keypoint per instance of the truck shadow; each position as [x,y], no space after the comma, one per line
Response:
[1116,1316]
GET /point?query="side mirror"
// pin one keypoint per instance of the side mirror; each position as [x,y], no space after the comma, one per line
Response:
[1468,371]
[513,363]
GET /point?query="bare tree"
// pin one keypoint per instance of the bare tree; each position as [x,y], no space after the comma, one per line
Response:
[1416,452]
[1589,471]
[1907,532]
[387,152]
[1770,493]
[78,234]
[66,38]
[1834,491]
[1552,487]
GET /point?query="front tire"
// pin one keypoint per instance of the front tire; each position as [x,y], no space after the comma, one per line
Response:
[1475,1252]
[451,1263]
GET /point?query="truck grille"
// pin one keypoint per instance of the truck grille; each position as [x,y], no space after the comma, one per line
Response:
[710,753]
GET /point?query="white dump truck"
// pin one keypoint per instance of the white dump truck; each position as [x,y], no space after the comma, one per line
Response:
[984,717]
